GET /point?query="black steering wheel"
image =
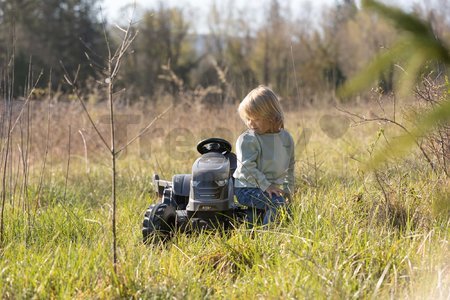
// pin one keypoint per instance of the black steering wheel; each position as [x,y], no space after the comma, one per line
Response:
[213,145]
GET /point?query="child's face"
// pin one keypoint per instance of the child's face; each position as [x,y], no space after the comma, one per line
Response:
[260,126]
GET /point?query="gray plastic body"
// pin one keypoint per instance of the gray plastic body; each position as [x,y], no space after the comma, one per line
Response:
[211,186]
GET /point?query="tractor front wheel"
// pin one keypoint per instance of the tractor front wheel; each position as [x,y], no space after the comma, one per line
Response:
[159,223]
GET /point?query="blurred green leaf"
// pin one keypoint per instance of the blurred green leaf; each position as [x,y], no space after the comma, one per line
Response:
[417,47]
[373,70]
[429,121]
[402,20]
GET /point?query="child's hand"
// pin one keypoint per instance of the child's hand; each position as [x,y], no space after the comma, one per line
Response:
[274,190]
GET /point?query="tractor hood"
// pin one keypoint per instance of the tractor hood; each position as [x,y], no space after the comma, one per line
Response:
[211,166]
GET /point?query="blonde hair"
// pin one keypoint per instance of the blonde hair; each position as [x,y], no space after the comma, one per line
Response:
[262,102]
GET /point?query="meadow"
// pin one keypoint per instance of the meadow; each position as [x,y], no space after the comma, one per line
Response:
[353,233]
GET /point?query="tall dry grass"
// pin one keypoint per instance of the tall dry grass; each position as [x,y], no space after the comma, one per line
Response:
[355,233]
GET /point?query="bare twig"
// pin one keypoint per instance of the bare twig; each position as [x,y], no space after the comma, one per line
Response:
[144,130]
[26,103]
[79,98]
[387,120]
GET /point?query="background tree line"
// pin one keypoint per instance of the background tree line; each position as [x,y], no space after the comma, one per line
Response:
[303,58]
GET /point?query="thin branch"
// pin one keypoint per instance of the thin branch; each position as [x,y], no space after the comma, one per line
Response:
[25,104]
[77,94]
[381,119]
[123,49]
[144,130]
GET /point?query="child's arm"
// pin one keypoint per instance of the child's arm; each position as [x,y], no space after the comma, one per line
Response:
[247,151]
[274,190]
[290,174]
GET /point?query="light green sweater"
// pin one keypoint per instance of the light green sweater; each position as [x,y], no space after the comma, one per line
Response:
[264,159]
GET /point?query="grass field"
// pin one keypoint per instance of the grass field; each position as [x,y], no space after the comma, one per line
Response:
[354,233]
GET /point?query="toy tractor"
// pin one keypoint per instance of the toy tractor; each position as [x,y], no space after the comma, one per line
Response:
[202,200]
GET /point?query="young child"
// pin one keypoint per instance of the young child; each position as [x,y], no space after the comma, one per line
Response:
[265,156]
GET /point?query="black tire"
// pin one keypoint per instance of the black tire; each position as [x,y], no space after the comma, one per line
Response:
[159,223]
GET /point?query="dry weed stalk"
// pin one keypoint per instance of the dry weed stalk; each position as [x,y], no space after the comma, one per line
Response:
[429,94]
[7,127]
[227,89]
[361,119]
[85,151]
[44,163]
[172,78]
[223,92]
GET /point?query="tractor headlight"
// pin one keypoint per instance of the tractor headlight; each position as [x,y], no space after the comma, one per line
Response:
[195,183]
[221,182]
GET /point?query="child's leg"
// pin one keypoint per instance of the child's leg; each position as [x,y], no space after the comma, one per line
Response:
[256,202]
[272,209]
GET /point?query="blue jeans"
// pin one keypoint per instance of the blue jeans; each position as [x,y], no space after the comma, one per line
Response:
[259,203]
